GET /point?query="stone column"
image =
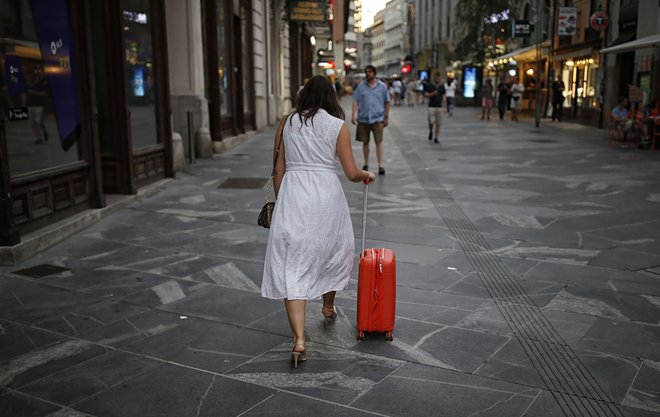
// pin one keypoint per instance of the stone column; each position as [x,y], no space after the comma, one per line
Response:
[186,68]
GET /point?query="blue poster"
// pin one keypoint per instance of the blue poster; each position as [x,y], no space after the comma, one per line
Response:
[469,82]
[14,75]
[51,19]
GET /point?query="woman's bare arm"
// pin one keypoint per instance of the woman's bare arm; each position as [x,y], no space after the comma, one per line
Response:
[345,154]
[280,163]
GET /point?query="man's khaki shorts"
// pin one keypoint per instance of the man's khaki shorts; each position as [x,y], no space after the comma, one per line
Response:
[435,116]
[363,132]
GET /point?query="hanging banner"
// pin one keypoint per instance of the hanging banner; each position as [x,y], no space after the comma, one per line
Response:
[51,19]
[567,21]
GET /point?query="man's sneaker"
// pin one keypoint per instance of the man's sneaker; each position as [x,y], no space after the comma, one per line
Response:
[365,167]
[381,171]
[436,140]
[431,135]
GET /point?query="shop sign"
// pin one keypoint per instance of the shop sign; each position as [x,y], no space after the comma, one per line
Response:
[567,21]
[646,63]
[308,11]
[51,19]
[14,75]
[522,29]
[599,20]
[16,114]
[635,94]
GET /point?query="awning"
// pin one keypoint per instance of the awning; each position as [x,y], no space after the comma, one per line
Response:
[652,41]
[527,53]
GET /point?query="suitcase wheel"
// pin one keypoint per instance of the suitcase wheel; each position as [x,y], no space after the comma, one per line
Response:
[389,337]
[360,336]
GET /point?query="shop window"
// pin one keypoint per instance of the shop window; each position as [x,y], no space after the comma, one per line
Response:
[137,30]
[223,59]
[38,88]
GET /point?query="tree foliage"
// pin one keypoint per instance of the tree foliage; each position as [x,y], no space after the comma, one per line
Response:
[473,38]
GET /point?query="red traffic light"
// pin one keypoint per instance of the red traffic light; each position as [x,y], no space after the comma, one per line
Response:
[406,69]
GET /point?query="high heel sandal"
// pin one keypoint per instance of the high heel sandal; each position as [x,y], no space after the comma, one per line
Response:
[328,319]
[298,356]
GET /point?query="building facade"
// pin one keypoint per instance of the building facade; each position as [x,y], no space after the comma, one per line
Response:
[433,33]
[104,97]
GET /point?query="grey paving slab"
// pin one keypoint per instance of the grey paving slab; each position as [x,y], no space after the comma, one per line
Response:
[332,374]
[611,304]
[204,345]
[415,390]
[625,259]
[597,278]
[283,404]
[225,305]
[16,339]
[615,373]
[571,326]
[544,405]
[644,391]
[623,338]
[181,392]
[95,375]
[511,364]
[15,404]
[39,363]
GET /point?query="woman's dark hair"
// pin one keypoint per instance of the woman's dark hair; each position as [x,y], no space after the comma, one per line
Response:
[318,93]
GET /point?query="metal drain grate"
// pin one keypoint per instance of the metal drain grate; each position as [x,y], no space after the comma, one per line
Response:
[41,271]
[574,388]
[246,183]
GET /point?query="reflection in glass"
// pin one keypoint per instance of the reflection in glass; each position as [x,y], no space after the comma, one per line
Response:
[33,140]
[223,71]
[139,71]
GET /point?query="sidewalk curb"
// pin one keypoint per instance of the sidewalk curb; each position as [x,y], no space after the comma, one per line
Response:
[41,239]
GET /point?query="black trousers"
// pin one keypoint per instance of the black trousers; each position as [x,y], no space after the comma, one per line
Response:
[557,109]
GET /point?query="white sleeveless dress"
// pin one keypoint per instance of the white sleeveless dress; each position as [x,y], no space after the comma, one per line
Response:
[311,246]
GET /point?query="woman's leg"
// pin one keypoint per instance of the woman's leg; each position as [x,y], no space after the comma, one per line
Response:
[329,301]
[295,311]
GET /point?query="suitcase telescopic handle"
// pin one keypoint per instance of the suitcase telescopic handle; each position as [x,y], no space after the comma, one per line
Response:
[364,216]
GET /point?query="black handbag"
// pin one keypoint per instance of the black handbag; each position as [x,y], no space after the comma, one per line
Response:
[266,213]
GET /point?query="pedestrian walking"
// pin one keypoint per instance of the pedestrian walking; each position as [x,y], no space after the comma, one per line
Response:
[371,112]
[434,91]
[410,92]
[502,97]
[487,99]
[517,90]
[450,94]
[557,98]
[311,245]
[397,87]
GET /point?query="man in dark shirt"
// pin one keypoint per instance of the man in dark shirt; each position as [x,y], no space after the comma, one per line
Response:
[434,91]
[502,98]
[557,98]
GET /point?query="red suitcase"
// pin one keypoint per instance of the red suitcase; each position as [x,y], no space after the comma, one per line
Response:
[376,302]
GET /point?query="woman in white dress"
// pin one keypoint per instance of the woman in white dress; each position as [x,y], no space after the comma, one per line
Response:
[311,245]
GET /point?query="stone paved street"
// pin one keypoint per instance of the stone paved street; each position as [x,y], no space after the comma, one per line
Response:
[528,265]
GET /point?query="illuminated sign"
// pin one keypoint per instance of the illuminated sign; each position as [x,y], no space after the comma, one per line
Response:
[522,29]
[135,17]
[497,17]
[308,11]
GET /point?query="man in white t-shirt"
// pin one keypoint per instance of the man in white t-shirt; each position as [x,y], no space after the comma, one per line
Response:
[450,94]
[517,90]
